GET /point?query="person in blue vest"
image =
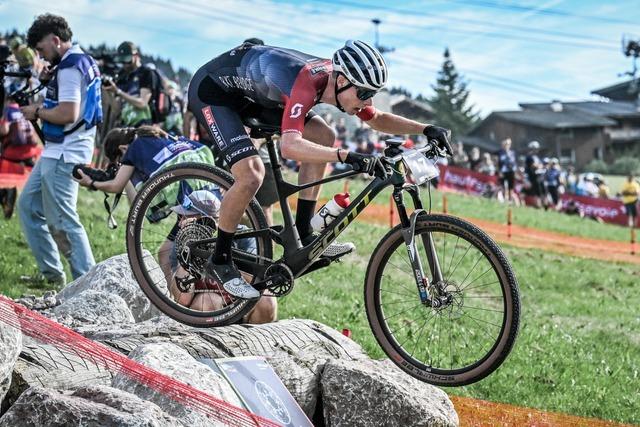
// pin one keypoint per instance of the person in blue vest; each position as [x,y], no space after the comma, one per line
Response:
[72,107]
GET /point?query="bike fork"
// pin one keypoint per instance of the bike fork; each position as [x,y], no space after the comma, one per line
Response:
[408,233]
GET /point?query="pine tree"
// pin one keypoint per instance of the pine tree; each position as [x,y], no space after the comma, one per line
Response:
[450,102]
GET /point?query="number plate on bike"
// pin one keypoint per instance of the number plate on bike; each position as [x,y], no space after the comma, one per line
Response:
[421,168]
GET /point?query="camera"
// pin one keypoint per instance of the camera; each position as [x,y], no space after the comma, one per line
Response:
[96,174]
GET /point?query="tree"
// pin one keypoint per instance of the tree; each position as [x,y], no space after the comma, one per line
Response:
[450,102]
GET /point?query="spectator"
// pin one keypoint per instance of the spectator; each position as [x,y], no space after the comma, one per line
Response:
[587,187]
[507,168]
[603,188]
[460,157]
[134,87]
[487,166]
[534,171]
[552,182]
[18,144]
[137,150]
[571,180]
[630,195]
[174,123]
[71,110]
[474,159]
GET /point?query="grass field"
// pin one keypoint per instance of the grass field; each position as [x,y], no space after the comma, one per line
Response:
[579,347]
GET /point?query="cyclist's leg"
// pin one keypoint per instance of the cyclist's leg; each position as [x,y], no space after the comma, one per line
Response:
[317,131]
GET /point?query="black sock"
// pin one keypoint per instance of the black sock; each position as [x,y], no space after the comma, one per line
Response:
[222,254]
[304,213]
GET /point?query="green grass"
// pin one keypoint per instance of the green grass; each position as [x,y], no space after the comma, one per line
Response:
[579,347]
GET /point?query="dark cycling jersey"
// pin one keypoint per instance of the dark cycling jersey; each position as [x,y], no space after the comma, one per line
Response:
[275,85]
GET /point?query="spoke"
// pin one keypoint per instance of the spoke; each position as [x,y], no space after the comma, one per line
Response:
[484,309]
[403,311]
[396,293]
[472,268]
[461,258]
[481,286]
[453,256]
[483,321]
[485,272]
[484,296]
[417,341]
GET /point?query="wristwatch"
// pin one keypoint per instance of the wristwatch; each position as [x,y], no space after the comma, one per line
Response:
[92,187]
[37,113]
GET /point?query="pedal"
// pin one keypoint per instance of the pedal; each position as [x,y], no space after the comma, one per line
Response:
[335,251]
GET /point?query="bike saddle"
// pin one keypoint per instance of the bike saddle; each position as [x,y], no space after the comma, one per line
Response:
[260,129]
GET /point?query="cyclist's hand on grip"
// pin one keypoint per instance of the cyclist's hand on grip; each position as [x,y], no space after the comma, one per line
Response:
[442,135]
[366,163]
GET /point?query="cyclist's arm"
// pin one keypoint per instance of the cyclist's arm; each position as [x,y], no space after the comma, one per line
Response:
[295,147]
[390,123]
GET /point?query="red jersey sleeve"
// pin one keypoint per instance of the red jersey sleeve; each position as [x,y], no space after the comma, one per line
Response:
[367,113]
[304,93]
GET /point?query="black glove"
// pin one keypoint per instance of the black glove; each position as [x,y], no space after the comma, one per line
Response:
[366,163]
[441,135]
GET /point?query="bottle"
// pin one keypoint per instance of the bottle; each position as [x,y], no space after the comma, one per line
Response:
[329,212]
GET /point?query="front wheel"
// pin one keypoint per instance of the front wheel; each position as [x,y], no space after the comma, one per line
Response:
[467,337]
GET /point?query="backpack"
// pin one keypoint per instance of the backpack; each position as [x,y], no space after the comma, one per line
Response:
[160,102]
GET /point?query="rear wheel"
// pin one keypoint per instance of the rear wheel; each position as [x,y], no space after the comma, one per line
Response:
[467,337]
[169,271]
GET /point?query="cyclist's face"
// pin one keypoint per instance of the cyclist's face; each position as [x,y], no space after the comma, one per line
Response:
[351,99]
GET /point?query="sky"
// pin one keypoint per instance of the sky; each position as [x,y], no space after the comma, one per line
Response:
[508,51]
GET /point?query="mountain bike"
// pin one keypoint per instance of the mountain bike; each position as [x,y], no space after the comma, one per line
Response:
[441,297]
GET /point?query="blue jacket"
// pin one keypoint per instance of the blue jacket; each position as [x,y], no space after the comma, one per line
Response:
[92,114]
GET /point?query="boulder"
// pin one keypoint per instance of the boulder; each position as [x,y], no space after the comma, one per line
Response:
[93,307]
[175,362]
[10,346]
[369,392]
[87,406]
[296,349]
[43,365]
[114,276]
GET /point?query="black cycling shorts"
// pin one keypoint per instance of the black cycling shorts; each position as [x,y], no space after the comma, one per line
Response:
[223,116]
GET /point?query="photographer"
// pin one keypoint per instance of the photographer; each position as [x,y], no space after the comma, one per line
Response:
[71,110]
[137,151]
[134,87]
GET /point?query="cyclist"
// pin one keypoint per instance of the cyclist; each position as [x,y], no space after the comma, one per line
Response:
[279,86]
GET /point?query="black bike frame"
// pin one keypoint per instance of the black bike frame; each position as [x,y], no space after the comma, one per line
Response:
[302,259]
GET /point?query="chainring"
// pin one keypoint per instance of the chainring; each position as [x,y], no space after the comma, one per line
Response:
[285,272]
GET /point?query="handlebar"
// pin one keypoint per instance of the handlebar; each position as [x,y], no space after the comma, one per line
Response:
[430,147]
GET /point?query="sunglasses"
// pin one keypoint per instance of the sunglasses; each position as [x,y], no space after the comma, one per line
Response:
[364,94]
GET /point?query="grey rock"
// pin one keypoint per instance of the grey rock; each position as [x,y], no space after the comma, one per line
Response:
[296,349]
[114,276]
[93,307]
[368,392]
[10,346]
[45,302]
[175,362]
[89,407]
[43,365]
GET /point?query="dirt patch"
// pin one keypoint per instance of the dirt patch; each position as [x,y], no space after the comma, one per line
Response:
[480,413]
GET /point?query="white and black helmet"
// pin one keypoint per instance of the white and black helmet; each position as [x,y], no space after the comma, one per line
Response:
[361,64]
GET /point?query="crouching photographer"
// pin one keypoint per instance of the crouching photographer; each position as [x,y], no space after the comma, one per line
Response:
[142,153]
